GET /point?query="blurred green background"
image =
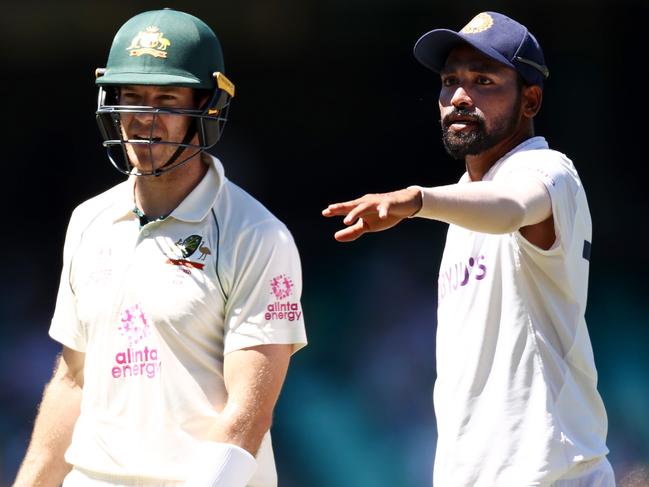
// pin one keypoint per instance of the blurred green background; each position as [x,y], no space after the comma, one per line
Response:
[331,104]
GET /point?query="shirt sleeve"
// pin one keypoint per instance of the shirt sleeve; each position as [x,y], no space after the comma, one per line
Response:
[263,306]
[562,184]
[65,326]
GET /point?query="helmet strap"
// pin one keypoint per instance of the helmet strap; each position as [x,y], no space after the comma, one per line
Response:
[191,131]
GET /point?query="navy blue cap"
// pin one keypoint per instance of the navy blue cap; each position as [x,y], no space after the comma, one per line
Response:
[495,35]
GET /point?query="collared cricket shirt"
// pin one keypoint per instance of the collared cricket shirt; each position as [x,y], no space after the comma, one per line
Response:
[155,309]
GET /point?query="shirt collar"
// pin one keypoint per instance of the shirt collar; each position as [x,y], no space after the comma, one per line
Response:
[198,203]
[533,143]
[193,208]
[124,200]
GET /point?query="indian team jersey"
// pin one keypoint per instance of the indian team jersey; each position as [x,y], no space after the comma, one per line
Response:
[515,395]
[156,308]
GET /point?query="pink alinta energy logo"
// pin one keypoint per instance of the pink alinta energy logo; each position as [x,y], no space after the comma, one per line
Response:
[134,325]
[281,286]
[139,358]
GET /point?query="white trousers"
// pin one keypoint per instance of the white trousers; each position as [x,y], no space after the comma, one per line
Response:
[592,474]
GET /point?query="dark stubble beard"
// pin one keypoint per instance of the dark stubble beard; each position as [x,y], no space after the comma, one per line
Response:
[478,139]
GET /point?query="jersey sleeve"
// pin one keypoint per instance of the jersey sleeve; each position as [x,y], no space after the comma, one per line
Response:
[562,184]
[263,306]
[65,326]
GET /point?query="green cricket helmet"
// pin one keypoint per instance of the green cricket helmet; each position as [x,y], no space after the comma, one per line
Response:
[163,48]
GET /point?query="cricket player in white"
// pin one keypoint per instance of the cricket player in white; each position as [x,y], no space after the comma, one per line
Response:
[516,392]
[179,302]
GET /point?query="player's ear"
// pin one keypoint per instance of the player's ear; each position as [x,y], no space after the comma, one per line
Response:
[532,97]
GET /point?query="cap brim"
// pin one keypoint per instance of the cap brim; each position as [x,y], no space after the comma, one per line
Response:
[151,79]
[433,48]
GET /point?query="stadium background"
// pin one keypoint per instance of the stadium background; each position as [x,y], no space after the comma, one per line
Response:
[331,104]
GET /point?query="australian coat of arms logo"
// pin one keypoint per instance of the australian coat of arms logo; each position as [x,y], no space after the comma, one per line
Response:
[187,247]
[150,41]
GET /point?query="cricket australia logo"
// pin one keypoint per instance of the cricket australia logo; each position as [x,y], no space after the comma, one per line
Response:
[281,287]
[151,42]
[187,247]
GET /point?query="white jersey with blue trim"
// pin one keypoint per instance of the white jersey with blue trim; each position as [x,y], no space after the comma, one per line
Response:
[155,308]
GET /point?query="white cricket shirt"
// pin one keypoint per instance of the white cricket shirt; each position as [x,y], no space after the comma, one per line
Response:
[515,396]
[156,308]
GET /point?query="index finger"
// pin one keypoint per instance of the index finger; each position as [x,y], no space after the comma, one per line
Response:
[339,209]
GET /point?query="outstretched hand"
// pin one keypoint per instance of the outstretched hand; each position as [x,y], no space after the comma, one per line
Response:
[374,212]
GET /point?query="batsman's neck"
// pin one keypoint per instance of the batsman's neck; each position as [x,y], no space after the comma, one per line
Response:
[160,195]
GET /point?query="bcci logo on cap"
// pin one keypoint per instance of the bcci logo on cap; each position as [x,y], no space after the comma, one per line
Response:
[479,23]
[151,42]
